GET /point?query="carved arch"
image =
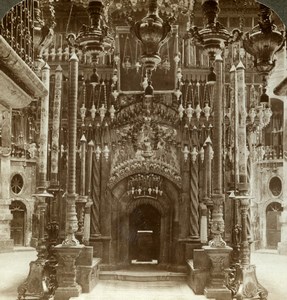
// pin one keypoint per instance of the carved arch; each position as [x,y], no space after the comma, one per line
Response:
[152,166]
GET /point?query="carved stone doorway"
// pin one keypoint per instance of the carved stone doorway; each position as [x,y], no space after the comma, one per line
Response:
[18,210]
[144,234]
[273,227]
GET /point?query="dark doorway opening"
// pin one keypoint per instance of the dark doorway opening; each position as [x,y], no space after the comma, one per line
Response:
[18,211]
[144,234]
[273,226]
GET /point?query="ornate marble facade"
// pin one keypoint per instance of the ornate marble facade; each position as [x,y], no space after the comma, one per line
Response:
[163,161]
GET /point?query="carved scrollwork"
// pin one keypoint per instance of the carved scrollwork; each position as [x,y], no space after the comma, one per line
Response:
[134,166]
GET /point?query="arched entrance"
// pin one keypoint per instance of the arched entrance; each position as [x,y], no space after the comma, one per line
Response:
[18,210]
[144,234]
[273,227]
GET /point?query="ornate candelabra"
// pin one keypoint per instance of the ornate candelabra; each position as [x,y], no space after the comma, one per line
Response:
[152,32]
[242,280]
[39,283]
[70,249]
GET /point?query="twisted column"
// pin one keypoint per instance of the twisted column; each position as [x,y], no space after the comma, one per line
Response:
[193,193]
[95,195]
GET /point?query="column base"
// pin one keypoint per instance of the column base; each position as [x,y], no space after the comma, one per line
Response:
[220,293]
[65,293]
[282,248]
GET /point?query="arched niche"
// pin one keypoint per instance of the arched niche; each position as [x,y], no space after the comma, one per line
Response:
[124,205]
[18,222]
[273,227]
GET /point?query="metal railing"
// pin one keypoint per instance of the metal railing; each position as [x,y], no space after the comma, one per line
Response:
[17,29]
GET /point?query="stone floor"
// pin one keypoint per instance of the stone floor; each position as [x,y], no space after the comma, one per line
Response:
[271,273]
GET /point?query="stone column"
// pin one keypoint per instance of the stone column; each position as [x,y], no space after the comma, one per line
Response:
[282,245]
[70,249]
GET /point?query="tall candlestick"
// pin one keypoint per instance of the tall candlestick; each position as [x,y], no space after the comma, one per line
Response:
[71,215]
[44,127]
[56,125]
[217,226]
[83,165]
[242,148]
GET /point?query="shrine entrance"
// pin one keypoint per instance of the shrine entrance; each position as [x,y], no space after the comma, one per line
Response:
[144,234]
[273,226]
[18,211]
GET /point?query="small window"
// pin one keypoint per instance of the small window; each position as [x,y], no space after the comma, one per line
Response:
[17,183]
[275,186]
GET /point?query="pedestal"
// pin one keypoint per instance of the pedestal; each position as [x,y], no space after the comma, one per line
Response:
[87,269]
[66,272]
[220,260]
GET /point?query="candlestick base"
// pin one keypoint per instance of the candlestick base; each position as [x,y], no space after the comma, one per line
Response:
[243,283]
[35,285]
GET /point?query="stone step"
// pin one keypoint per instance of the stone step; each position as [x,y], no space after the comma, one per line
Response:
[127,290]
[142,275]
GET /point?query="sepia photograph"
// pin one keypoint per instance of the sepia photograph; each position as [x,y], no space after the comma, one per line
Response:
[142,149]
